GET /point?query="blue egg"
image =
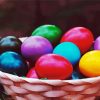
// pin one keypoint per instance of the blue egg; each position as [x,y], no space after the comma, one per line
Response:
[11,62]
[69,51]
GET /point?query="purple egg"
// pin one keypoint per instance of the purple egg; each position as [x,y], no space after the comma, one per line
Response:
[35,46]
[97,43]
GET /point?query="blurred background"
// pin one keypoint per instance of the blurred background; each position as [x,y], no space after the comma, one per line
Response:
[21,17]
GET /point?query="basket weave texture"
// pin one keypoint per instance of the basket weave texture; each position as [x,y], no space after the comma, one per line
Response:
[34,89]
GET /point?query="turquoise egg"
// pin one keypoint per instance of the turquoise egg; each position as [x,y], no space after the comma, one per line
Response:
[69,51]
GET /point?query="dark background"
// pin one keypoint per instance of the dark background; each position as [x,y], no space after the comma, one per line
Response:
[21,17]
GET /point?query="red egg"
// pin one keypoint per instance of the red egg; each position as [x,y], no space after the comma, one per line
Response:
[81,36]
[53,66]
[32,73]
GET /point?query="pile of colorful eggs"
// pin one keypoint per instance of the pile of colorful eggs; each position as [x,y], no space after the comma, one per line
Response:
[50,54]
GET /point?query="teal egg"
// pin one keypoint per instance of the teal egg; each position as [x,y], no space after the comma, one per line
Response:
[69,51]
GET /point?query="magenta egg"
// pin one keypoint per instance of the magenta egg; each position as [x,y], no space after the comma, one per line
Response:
[35,46]
[97,43]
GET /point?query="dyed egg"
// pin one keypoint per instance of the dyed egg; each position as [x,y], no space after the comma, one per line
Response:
[22,39]
[10,43]
[77,75]
[13,63]
[52,66]
[51,32]
[81,36]
[97,43]
[34,47]
[32,74]
[69,51]
[89,64]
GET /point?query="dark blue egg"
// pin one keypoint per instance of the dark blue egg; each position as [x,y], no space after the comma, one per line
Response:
[77,75]
[10,43]
[13,63]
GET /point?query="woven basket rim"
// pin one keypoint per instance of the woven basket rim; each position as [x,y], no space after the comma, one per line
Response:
[11,76]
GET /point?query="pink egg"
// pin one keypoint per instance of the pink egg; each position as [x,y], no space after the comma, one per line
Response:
[32,74]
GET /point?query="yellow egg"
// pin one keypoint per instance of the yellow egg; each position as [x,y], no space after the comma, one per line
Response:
[89,63]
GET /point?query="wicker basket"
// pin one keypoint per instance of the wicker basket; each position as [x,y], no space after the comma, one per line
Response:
[34,89]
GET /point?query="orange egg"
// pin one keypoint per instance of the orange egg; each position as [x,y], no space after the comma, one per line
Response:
[89,64]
